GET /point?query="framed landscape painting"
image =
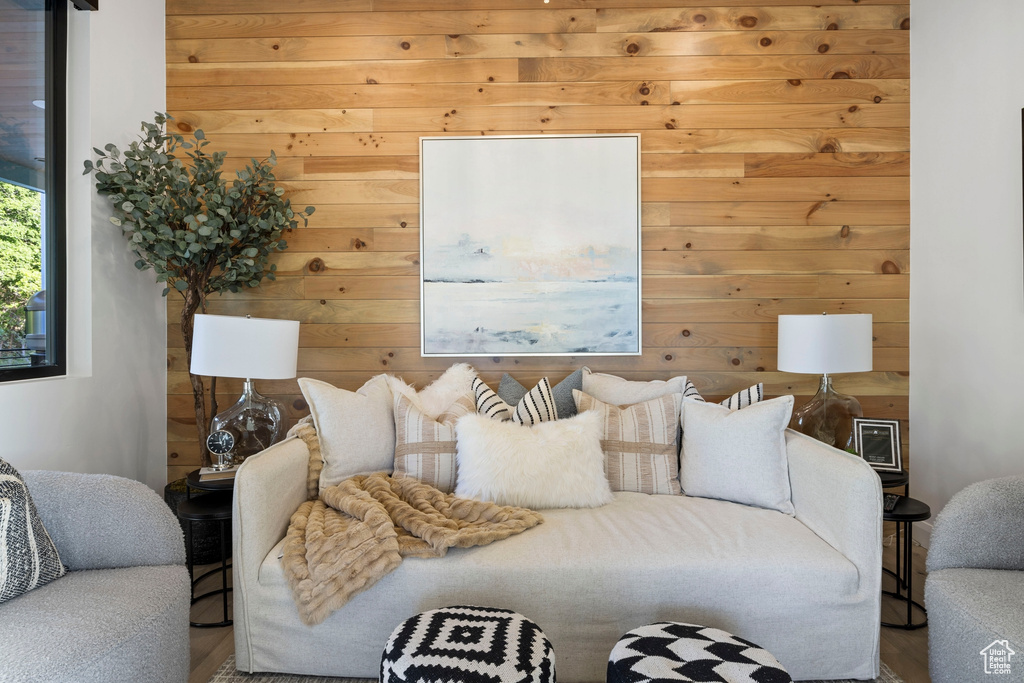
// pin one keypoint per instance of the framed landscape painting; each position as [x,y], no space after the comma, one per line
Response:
[530,245]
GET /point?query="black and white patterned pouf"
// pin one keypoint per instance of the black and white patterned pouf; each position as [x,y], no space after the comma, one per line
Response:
[672,651]
[468,645]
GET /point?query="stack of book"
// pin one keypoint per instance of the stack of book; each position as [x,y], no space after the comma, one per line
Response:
[210,474]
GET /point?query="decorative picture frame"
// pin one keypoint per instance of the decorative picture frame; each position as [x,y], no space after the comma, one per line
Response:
[530,245]
[878,442]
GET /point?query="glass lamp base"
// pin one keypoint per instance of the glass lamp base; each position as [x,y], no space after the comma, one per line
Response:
[256,422]
[828,417]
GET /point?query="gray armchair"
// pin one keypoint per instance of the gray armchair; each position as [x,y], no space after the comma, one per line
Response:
[975,586]
[121,611]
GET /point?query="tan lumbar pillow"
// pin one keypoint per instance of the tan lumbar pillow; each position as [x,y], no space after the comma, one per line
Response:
[639,442]
[425,445]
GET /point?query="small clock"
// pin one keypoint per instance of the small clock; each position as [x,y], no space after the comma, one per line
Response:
[221,443]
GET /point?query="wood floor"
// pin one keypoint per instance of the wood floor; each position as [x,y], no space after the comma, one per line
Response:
[906,652]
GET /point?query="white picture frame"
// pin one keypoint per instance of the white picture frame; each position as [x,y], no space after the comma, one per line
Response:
[530,245]
[877,441]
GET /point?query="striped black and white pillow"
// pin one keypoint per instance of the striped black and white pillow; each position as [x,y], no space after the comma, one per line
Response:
[690,391]
[489,403]
[746,397]
[741,399]
[28,558]
[537,406]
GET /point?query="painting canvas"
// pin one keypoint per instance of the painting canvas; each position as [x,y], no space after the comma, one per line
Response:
[530,245]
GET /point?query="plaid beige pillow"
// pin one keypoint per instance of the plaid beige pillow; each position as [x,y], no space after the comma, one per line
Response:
[425,446]
[639,443]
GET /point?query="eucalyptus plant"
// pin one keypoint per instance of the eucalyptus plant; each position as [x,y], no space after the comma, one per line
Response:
[199,232]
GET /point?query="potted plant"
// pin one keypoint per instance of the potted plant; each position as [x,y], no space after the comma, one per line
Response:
[199,232]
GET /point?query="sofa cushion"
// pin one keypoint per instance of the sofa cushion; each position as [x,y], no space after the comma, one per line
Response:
[624,392]
[100,625]
[639,443]
[637,560]
[536,405]
[738,456]
[28,558]
[356,428]
[512,392]
[425,445]
[548,465]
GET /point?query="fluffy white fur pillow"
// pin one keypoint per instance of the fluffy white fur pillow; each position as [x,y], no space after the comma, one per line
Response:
[435,399]
[556,464]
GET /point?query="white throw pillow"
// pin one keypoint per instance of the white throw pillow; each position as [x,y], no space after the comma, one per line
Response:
[356,428]
[624,392]
[556,464]
[444,391]
[737,455]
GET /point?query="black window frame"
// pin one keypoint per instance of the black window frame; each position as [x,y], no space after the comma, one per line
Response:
[55,218]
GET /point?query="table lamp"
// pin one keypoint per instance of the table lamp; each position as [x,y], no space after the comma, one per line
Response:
[248,348]
[825,344]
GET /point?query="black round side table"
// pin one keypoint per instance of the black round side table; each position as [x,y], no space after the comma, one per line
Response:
[211,484]
[214,507]
[906,511]
[895,480]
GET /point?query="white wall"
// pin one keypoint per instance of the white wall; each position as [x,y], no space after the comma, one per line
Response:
[967,278]
[109,414]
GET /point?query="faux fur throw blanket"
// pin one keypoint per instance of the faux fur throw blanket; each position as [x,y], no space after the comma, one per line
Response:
[358,531]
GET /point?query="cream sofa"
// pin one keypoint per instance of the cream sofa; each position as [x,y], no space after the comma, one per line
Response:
[805,587]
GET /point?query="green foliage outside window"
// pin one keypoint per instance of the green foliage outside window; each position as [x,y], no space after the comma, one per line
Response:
[20,259]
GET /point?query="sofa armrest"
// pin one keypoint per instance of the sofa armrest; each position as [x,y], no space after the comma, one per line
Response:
[839,497]
[99,521]
[269,487]
[980,527]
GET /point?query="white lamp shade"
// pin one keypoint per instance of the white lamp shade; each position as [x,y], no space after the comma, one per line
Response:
[825,344]
[251,348]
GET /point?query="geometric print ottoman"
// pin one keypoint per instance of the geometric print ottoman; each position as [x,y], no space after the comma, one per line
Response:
[671,651]
[468,645]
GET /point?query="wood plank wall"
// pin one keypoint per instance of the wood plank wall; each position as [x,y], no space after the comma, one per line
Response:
[775,163]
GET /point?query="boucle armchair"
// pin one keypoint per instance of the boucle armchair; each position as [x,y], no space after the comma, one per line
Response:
[121,611]
[975,583]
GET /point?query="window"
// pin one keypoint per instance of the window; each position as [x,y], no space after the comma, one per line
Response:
[32,180]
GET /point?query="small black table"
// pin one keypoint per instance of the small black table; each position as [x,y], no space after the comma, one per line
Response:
[209,485]
[906,512]
[213,507]
[895,480]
